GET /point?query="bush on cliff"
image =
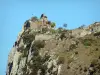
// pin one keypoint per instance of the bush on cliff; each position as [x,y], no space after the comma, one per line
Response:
[53,24]
[28,38]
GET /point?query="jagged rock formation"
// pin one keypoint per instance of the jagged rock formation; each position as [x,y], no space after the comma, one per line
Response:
[43,50]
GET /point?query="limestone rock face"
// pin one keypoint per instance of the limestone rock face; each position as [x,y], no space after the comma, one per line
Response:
[41,50]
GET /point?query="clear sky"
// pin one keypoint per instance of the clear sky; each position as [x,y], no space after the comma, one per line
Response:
[13,13]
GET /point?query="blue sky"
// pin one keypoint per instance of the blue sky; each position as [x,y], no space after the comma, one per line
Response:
[13,13]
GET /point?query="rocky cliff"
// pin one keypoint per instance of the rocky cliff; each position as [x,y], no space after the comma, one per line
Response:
[40,49]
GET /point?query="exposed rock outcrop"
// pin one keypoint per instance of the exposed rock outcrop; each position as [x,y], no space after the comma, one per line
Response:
[43,50]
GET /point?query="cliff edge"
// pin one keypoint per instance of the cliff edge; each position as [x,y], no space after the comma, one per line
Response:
[41,49]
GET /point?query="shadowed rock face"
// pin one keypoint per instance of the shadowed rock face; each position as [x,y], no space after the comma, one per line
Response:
[51,51]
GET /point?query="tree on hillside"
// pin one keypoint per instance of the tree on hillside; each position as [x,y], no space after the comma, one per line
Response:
[34,18]
[65,25]
[53,24]
[60,29]
[82,26]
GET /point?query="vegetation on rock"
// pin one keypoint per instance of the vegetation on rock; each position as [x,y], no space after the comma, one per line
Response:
[69,52]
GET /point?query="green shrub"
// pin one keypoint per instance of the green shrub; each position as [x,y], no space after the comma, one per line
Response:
[53,24]
[37,61]
[28,38]
[82,26]
[45,58]
[87,42]
[70,60]
[59,30]
[97,34]
[24,69]
[72,46]
[38,44]
[36,64]
[44,30]
[52,31]
[85,69]
[76,52]
[94,62]
[35,17]
[36,52]
[25,51]
[62,36]
[24,54]
[61,60]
